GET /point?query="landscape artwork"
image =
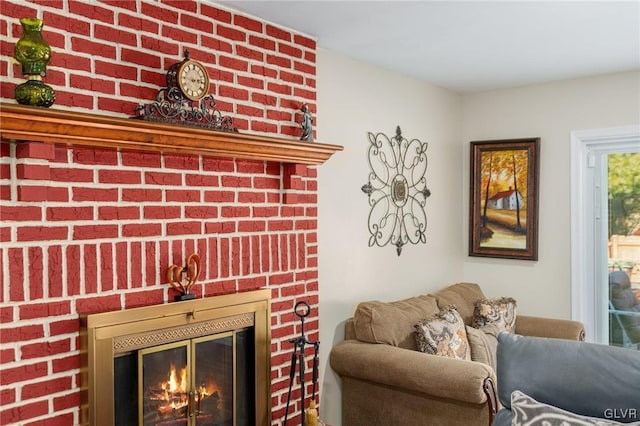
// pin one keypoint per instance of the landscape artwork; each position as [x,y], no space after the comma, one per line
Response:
[504,199]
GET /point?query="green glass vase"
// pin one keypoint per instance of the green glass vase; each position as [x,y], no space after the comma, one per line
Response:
[34,54]
[32,50]
[36,93]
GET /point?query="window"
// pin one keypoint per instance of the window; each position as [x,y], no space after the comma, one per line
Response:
[591,154]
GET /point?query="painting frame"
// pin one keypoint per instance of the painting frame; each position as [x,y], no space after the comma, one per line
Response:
[503,218]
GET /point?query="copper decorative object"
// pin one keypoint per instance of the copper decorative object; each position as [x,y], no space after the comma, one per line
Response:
[183,278]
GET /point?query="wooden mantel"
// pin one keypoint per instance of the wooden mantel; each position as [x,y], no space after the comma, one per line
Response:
[25,123]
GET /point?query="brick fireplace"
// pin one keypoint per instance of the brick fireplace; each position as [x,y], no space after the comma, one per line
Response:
[92,227]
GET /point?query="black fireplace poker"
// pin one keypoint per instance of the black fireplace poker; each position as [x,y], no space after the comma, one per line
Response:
[298,352]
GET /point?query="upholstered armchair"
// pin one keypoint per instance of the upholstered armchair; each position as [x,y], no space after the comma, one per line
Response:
[387,381]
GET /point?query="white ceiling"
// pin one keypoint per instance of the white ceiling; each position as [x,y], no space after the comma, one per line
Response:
[470,46]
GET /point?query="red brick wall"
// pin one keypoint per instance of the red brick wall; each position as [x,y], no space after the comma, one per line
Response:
[86,231]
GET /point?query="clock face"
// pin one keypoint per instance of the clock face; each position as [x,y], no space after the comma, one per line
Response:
[193,80]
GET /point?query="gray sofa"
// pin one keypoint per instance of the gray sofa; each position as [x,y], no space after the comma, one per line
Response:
[583,378]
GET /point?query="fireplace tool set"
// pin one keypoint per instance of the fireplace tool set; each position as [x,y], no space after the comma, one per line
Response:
[310,416]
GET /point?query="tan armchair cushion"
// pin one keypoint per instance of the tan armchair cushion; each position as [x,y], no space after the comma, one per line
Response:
[483,344]
[463,296]
[392,323]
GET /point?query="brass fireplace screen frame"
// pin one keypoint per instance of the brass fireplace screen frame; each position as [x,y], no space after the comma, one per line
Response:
[105,335]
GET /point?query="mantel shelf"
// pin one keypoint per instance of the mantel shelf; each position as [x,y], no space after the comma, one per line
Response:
[25,123]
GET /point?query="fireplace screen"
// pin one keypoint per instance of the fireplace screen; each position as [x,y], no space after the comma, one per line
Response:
[193,363]
[202,381]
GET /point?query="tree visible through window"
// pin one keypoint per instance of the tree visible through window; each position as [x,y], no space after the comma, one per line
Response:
[624,194]
[623,199]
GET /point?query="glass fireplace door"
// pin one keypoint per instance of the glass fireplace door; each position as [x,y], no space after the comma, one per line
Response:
[213,367]
[164,385]
[203,381]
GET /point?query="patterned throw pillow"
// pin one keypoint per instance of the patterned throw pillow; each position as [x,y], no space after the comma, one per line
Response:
[529,412]
[443,334]
[499,312]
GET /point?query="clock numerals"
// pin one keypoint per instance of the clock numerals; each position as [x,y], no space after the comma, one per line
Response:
[194,81]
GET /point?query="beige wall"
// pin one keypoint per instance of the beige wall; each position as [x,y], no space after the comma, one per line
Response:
[354,99]
[550,111]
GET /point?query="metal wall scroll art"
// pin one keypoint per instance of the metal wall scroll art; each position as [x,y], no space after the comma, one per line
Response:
[183,278]
[185,99]
[397,190]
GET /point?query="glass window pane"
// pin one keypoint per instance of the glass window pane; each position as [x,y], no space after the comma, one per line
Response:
[623,206]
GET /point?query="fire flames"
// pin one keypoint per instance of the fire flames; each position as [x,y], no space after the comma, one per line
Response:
[172,395]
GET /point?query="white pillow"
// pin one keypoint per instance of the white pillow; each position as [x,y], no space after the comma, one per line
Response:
[529,412]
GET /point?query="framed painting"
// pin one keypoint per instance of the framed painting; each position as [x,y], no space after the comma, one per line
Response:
[503,219]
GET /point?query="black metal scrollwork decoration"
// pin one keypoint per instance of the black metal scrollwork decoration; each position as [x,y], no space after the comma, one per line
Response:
[397,190]
[171,106]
